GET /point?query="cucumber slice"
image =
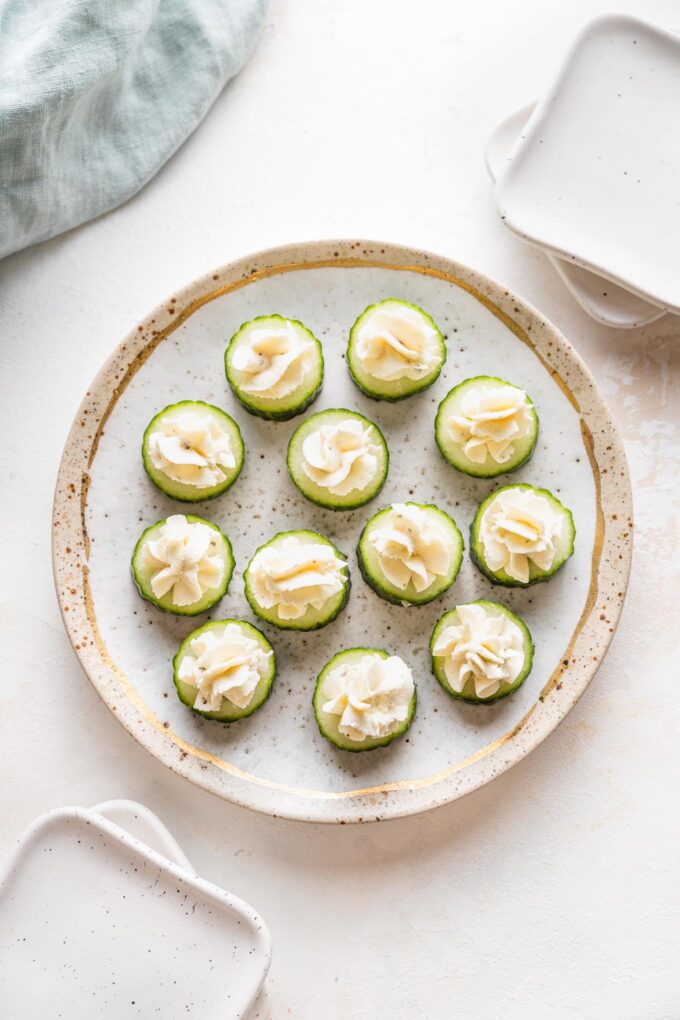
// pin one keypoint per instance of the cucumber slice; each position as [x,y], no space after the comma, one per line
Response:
[328,573]
[397,587]
[299,390]
[357,463]
[145,566]
[189,694]
[556,536]
[227,462]
[409,329]
[481,647]
[455,431]
[329,723]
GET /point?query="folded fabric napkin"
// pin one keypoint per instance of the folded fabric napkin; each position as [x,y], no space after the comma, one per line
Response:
[96,95]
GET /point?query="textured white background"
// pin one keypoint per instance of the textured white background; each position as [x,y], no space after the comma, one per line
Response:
[552,893]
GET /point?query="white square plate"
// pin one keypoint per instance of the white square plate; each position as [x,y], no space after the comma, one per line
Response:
[604,301]
[595,177]
[94,923]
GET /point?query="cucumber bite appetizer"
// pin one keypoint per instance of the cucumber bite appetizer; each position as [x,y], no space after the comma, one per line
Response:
[410,553]
[338,459]
[364,698]
[297,581]
[192,451]
[481,652]
[395,350]
[224,670]
[521,535]
[183,564]
[274,366]
[486,427]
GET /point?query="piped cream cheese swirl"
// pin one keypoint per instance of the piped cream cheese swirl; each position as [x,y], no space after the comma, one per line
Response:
[340,457]
[192,448]
[520,527]
[295,574]
[490,421]
[411,547]
[274,360]
[483,648]
[226,664]
[397,342]
[370,694]
[182,560]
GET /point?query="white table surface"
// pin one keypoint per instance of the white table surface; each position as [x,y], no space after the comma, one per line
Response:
[552,893]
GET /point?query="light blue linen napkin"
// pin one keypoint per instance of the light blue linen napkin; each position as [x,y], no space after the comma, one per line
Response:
[96,95]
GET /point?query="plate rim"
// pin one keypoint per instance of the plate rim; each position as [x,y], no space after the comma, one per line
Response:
[70,543]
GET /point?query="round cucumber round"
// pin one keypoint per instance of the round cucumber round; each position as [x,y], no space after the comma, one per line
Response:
[275,408]
[312,619]
[183,491]
[565,546]
[318,493]
[373,574]
[329,724]
[468,692]
[454,452]
[228,712]
[142,570]
[394,389]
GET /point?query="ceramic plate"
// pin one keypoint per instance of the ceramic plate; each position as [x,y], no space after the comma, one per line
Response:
[276,761]
[96,923]
[594,178]
[605,301]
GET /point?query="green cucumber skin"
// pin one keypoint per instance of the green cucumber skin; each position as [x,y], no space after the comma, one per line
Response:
[202,495]
[185,610]
[501,469]
[529,649]
[417,386]
[360,501]
[392,399]
[294,624]
[355,747]
[506,581]
[279,415]
[288,413]
[394,599]
[241,713]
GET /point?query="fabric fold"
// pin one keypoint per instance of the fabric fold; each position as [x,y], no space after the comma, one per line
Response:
[96,95]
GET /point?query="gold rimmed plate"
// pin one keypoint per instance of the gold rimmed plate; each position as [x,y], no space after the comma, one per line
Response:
[276,761]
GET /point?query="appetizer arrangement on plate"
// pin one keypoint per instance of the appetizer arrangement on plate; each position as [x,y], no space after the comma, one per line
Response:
[364,698]
[343,494]
[338,459]
[395,350]
[182,565]
[409,553]
[274,367]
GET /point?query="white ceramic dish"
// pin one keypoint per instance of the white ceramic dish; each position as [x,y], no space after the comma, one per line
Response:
[142,824]
[603,300]
[276,761]
[594,179]
[97,922]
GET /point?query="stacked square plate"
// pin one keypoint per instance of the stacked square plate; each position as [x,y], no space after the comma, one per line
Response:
[102,915]
[590,173]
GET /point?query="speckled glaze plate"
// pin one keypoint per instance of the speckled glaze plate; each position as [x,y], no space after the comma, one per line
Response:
[276,761]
